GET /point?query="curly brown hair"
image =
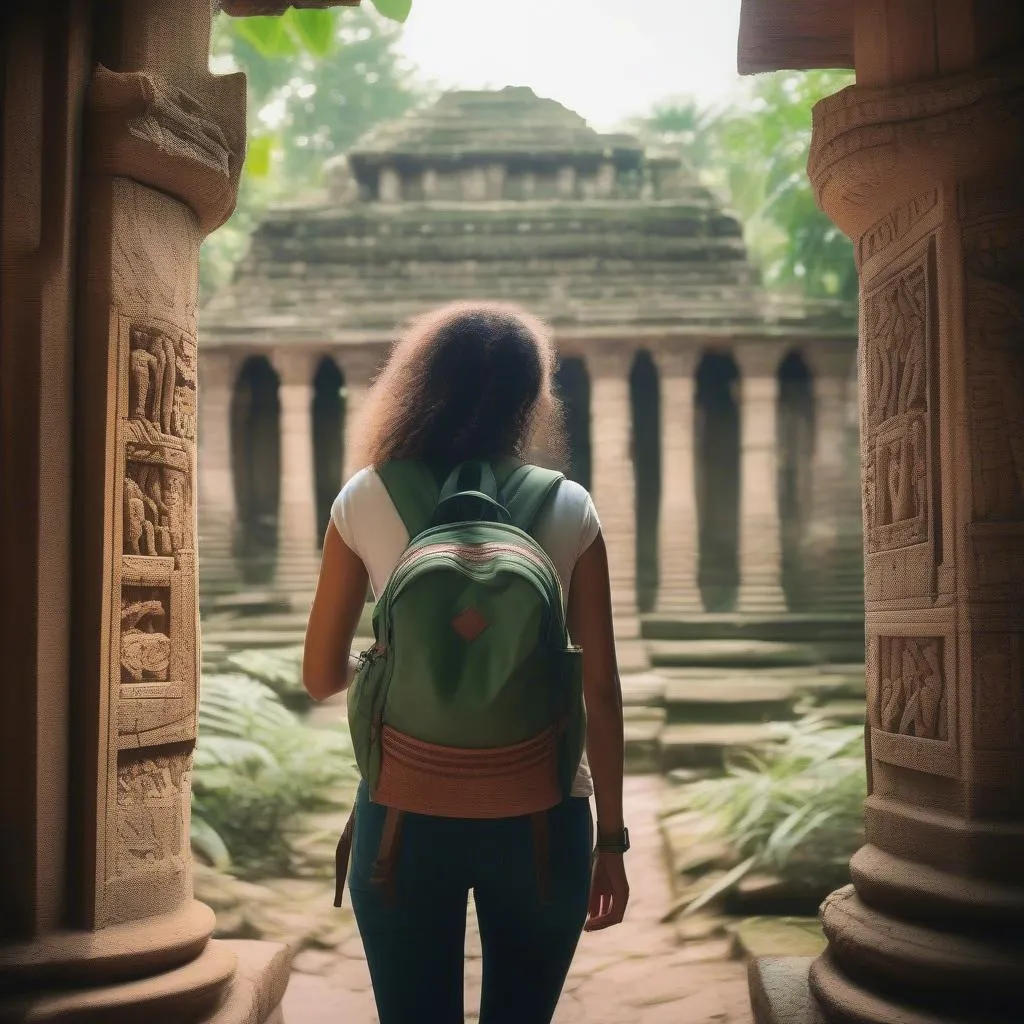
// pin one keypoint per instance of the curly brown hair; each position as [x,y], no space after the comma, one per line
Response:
[467,381]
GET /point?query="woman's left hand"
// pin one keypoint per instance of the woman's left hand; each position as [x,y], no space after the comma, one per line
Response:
[609,892]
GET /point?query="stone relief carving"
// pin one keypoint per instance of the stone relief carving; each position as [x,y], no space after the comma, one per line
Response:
[998,698]
[162,389]
[994,256]
[896,224]
[152,815]
[895,336]
[145,635]
[157,510]
[911,694]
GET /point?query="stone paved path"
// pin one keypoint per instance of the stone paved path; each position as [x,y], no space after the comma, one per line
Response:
[635,973]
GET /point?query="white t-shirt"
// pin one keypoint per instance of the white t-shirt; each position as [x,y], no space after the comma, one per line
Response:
[370,525]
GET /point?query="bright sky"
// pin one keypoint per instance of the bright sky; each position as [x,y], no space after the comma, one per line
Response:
[606,59]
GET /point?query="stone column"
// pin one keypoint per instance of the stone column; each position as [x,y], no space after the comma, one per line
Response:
[678,590]
[760,590]
[298,559]
[359,370]
[613,482]
[216,512]
[99,920]
[925,178]
[836,540]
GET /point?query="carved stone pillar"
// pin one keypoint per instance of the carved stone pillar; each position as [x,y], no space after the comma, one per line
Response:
[104,926]
[926,179]
[613,481]
[216,505]
[298,559]
[760,588]
[836,539]
[678,589]
[359,369]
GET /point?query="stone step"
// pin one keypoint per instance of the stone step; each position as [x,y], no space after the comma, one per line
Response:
[730,697]
[731,653]
[790,626]
[705,745]
[837,681]
[642,728]
[646,689]
[754,937]
[843,712]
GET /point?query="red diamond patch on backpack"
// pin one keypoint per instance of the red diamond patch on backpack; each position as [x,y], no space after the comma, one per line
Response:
[469,624]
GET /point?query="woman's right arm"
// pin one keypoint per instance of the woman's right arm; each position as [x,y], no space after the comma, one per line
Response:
[590,626]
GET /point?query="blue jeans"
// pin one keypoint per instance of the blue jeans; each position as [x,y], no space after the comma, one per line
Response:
[415,945]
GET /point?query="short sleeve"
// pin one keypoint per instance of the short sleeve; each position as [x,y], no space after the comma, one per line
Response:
[590,525]
[344,510]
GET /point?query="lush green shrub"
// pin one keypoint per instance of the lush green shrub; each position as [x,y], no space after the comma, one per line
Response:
[257,770]
[794,811]
[280,668]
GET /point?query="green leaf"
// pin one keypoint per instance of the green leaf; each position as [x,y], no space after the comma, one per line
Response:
[259,154]
[723,885]
[208,844]
[313,28]
[268,36]
[396,10]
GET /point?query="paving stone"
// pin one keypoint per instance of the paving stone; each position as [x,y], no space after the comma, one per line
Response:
[634,973]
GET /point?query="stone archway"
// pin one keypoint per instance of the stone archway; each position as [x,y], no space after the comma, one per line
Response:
[328,438]
[645,398]
[718,480]
[573,385]
[256,467]
[795,423]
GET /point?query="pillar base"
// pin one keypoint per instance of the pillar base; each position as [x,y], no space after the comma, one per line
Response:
[779,991]
[228,983]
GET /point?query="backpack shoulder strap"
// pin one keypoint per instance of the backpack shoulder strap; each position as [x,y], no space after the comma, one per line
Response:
[414,489]
[526,492]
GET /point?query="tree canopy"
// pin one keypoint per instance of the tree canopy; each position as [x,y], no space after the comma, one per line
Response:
[316,81]
[753,153]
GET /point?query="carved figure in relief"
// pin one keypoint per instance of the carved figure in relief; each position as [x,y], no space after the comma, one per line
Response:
[912,698]
[157,510]
[150,828]
[896,323]
[152,365]
[163,381]
[145,645]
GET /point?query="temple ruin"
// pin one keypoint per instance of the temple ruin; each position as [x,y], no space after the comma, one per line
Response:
[714,420]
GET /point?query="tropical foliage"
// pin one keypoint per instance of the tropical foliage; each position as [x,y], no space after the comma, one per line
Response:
[257,771]
[316,80]
[794,812]
[753,153]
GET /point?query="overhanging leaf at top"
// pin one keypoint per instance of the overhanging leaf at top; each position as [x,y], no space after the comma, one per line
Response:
[314,28]
[268,36]
[396,10]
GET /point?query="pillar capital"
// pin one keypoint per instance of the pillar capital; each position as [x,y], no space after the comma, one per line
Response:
[879,155]
[294,366]
[609,360]
[832,358]
[676,362]
[360,366]
[758,359]
[218,367]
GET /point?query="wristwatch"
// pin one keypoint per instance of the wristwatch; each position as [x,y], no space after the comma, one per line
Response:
[612,842]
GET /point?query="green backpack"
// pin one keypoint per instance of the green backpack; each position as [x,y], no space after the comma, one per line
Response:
[469,704]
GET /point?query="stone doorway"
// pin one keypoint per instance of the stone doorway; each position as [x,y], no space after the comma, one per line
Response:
[645,399]
[795,431]
[328,438]
[717,468]
[256,468]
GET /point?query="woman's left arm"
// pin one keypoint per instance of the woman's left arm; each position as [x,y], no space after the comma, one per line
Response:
[327,662]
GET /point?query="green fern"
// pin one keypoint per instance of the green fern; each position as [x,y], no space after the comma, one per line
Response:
[794,811]
[257,770]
